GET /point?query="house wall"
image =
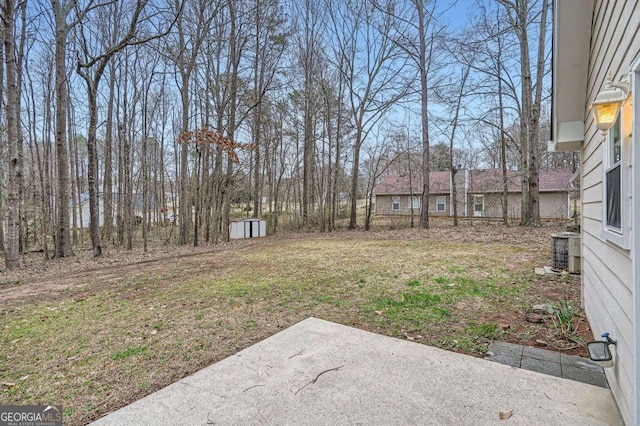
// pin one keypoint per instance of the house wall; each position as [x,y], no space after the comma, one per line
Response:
[82,214]
[493,205]
[607,282]
[553,205]
[384,205]
[433,208]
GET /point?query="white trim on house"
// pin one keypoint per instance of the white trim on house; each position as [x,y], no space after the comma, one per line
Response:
[413,202]
[478,213]
[620,237]
[635,226]
[395,201]
[592,39]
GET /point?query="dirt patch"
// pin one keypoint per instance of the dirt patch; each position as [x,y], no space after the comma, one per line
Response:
[130,323]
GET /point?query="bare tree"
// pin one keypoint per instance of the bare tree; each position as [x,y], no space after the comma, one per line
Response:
[91,68]
[192,24]
[61,11]
[454,126]
[268,47]
[494,52]
[372,70]
[521,14]
[12,243]
[416,33]
[308,53]
[379,157]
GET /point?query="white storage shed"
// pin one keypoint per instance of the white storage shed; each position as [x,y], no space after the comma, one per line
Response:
[247,228]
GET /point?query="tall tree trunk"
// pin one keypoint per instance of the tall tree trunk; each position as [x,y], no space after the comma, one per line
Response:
[39,158]
[12,244]
[145,171]
[107,187]
[257,113]
[307,153]
[424,114]
[92,170]
[503,142]
[410,179]
[519,16]
[2,141]
[534,136]
[354,179]
[22,212]
[524,115]
[185,194]
[63,236]
[336,166]
[76,191]
[234,57]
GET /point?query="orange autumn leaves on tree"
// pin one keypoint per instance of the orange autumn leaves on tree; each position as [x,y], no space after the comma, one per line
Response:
[208,136]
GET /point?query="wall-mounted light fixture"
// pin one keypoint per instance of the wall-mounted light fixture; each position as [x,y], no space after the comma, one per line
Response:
[606,106]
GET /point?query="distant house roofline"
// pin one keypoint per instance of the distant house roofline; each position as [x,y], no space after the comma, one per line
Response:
[481,181]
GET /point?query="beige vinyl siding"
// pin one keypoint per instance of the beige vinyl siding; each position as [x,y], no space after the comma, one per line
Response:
[554,205]
[384,205]
[433,205]
[606,278]
[493,205]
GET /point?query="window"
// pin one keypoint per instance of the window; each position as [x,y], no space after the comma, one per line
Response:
[613,194]
[616,185]
[395,204]
[440,206]
[414,202]
[478,205]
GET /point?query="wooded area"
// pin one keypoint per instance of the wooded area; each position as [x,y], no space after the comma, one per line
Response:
[170,118]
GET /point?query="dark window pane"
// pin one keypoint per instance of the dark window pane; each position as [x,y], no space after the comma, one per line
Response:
[615,139]
[613,198]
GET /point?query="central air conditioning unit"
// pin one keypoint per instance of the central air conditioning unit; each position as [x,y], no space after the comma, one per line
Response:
[565,252]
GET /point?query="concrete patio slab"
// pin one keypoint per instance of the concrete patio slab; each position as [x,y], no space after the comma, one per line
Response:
[318,372]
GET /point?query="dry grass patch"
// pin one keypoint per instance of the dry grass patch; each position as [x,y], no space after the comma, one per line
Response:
[110,336]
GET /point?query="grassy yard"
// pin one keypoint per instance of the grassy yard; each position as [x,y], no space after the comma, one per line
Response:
[96,340]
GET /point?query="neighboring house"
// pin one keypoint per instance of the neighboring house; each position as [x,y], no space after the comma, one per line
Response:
[397,195]
[82,213]
[593,38]
[82,216]
[478,193]
[486,193]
